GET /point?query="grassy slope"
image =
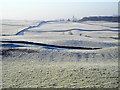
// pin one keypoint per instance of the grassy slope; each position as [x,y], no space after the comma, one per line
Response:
[32,68]
[75,75]
[39,67]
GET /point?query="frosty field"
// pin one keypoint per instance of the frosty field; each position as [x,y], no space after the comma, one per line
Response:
[11,27]
[59,54]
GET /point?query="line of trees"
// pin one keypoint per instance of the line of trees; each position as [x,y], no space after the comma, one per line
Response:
[102,18]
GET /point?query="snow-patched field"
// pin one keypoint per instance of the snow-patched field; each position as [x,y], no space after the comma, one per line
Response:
[27,53]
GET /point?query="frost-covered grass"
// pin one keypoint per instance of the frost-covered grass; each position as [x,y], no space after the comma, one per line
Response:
[40,66]
[44,68]
[103,23]
[72,25]
[11,27]
[55,33]
[34,74]
[65,40]
[60,55]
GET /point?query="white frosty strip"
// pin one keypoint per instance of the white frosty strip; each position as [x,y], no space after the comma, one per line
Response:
[10,27]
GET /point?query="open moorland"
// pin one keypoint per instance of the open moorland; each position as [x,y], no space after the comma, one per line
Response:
[59,54]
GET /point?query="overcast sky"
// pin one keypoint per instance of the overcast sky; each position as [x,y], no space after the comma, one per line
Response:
[56,9]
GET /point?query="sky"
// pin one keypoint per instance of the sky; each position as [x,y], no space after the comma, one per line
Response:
[56,9]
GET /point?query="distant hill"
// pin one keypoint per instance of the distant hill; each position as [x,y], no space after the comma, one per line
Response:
[101,18]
